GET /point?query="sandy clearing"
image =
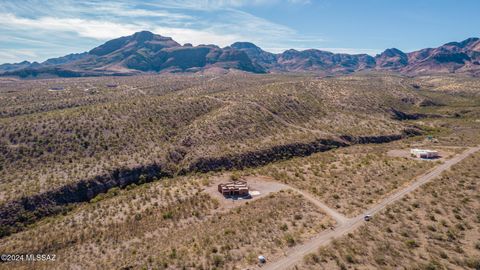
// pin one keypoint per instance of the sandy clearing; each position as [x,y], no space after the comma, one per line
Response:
[261,185]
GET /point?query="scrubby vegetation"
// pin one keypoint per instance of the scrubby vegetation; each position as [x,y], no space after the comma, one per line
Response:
[52,138]
[169,225]
[436,227]
[349,179]
[95,126]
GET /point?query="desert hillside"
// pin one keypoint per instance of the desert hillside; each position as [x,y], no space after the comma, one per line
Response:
[122,172]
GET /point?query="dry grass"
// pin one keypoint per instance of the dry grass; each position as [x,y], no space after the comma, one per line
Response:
[349,179]
[49,139]
[169,225]
[451,84]
[436,227]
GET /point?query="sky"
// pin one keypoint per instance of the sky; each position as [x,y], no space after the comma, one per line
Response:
[36,30]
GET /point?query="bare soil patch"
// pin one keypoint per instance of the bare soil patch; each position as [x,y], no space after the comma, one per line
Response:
[259,187]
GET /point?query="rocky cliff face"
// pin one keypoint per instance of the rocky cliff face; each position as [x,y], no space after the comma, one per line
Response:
[327,62]
[391,59]
[263,58]
[140,52]
[148,52]
[16,215]
[453,57]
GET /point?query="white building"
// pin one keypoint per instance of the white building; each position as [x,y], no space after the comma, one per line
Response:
[424,153]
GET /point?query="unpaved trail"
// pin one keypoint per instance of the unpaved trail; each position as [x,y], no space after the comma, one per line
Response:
[338,217]
[296,254]
[279,119]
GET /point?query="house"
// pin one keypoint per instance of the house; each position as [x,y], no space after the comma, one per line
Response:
[424,153]
[235,188]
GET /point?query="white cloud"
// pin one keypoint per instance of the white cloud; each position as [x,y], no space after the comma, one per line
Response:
[103,30]
[301,2]
[84,28]
[196,37]
[222,4]
[127,10]
[372,52]
[244,25]
[13,55]
[54,27]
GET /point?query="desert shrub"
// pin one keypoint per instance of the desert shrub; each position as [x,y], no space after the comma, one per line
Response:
[167,215]
[411,243]
[311,258]
[290,240]
[217,260]
[432,265]
[473,263]
[349,258]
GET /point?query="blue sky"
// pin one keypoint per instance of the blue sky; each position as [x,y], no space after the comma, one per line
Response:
[36,29]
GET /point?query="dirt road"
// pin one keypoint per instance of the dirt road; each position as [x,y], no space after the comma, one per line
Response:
[296,254]
[338,217]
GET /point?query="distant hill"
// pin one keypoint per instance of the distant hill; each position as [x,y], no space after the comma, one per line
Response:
[453,57]
[145,52]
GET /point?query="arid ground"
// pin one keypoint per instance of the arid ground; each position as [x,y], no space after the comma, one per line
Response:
[122,172]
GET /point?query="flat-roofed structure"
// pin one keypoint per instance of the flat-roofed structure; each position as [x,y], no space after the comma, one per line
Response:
[424,153]
[56,88]
[235,188]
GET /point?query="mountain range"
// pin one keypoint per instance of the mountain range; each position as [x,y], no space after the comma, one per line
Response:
[145,52]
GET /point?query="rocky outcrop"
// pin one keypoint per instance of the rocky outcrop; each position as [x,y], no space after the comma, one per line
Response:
[140,52]
[391,59]
[401,116]
[265,59]
[263,157]
[322,61]
[15,215]
[147,52]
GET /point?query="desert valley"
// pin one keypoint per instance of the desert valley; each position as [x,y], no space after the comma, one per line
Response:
[143,153]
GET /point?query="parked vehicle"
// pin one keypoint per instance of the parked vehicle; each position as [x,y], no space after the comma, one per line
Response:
[261,259]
